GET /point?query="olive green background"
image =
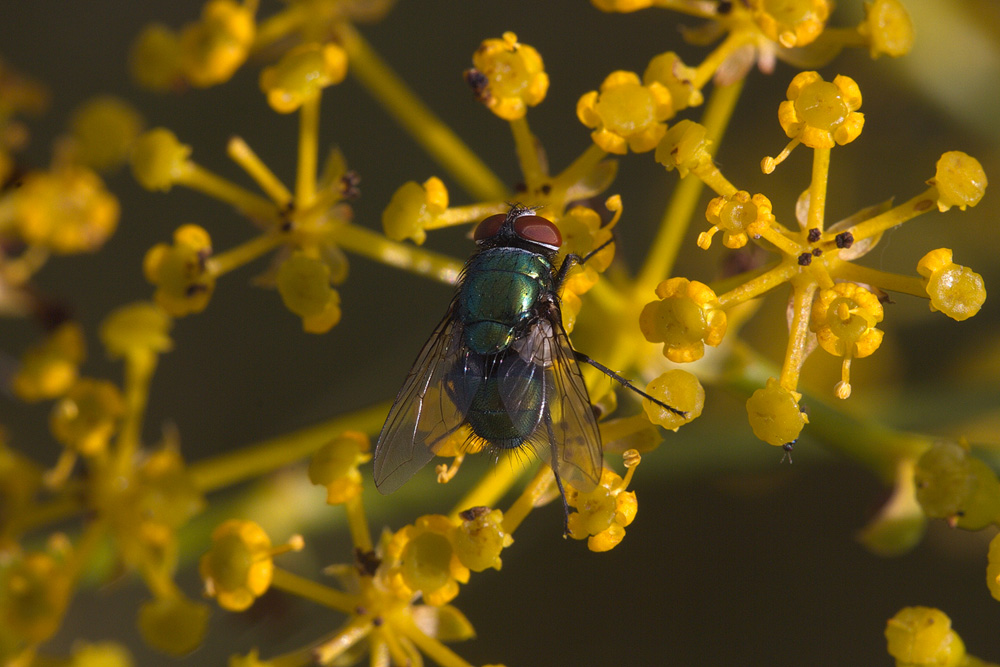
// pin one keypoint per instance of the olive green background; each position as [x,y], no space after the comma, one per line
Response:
[733,559]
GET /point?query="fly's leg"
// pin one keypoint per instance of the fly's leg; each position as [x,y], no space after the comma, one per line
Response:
[580,356]
[570,260]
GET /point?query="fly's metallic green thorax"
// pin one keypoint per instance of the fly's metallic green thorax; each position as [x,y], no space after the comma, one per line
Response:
[499,296]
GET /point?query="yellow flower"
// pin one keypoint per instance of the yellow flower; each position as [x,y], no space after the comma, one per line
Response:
[34,592]
[844,319]
[668,70]
[159,159]
[412,207]
[304,285]
[104,129]
[626,114]
[174,625]
[791,22]
[736,215]
[685,319]
[923,636]
[238,568]
[583,231]
[684,147]
[957,291]
[212,49]
[819,113]
[960,180]
[603,513]
[335,466]
[102,654]
[136,328]
[678,389]
[48,369]
[179,271]
[67,210]
[508,77]
[87,416]
[155,58]
[422,559]
[774,414]
[887,28]
[480,538]
[302,74]
[954,485]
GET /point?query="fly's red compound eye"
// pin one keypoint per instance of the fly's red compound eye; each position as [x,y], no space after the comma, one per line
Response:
[489,227]
[538,230]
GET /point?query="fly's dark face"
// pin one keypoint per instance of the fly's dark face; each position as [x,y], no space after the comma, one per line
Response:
[500,361]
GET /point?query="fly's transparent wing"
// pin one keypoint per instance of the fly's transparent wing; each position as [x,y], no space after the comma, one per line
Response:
[567,421]
[431,405]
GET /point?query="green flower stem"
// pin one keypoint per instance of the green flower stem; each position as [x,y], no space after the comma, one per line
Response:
[491,488]
[403,105]
[357,522]
[264,457]
[817,188]
[349,634]
[139,368]
[244,253]
[241,153]
[198,178]
[755,287]
[422,262]
[896,215]
[892,282]
[578,169]
[674,225]
[873,445]
[527,154]
[305,179]
[310,590]
[432,648]
[798,334]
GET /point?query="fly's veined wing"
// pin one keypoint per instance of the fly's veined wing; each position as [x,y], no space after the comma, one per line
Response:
[575,439]
[431,405]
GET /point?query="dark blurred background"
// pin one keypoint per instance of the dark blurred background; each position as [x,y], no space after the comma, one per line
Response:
[733,559]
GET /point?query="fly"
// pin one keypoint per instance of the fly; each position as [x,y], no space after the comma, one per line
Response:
[501,362]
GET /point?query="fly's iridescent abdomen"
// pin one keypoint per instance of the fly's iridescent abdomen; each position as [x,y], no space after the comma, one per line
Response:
[503,423]
[499,295]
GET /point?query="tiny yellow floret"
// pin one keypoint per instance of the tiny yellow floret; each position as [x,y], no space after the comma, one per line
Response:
[104,130]
[678,389]
[625,114]
[136,328]
[173,625]
[791,22]
[67,210]
[684,147]
[774,414]
[955,290]
[159,159]
[603,513]
[239,567]
[48,369]
[87,416]
[844,319]
[887,28]
[212,49]
[923,636]
[960,181]
[304,285]
[179,271]
[302,74]
[735,216]
[421,558]
[479,538]
[155,58]
[335,466]
[821,114]
[412,207]
[685,319]
[511,76]
[669,70]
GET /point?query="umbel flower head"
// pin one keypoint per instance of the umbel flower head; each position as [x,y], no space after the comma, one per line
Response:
[834,301]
